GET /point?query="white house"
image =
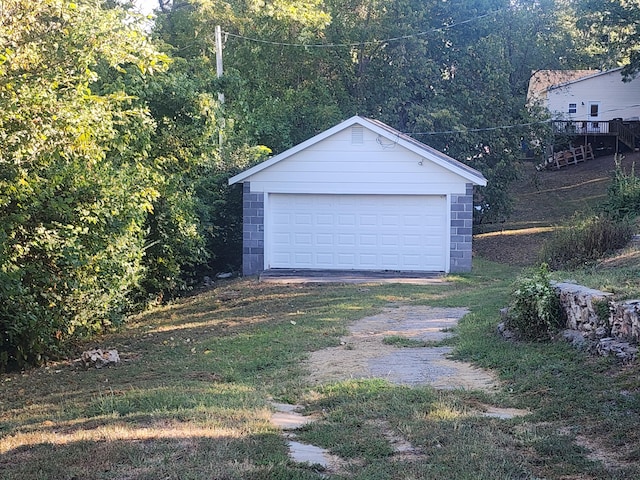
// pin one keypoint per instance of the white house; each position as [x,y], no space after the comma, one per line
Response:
[601,96]
[542,80]
[359,196]
[590,103]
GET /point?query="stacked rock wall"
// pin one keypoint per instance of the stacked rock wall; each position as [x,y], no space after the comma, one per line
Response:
[625,320]
[580,306]
[613,329]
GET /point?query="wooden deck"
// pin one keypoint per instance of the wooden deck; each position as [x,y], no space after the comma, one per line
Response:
[628,133]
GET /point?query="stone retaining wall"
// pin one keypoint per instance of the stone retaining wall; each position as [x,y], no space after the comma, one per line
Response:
[614,330]
[580,306]
[625,321]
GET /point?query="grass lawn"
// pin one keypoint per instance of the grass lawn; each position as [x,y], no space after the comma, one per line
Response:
[191,398]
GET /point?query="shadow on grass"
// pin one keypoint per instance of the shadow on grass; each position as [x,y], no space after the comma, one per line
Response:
[192,397]
[120,452]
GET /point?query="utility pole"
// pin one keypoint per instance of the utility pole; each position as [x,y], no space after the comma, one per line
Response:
[219,70]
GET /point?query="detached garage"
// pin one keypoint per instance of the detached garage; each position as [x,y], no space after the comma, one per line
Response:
[359,196]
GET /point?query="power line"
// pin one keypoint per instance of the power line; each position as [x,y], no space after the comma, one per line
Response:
[484,129]
[367,42]
[519,125]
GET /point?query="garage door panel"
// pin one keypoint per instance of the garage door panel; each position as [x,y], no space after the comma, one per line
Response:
[283,239]
[368,232]
[412,220]
[369,240]
[282,258]
[346,260]
[368,261]
[412,241]
[368,220]
[302,239]
[303,219]
[282,219]
[324,239]
[324,259]
[390,240]
[348,240]
[304,259]
[322,219]
[347,220]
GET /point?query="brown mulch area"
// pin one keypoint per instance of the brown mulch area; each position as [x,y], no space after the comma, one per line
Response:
[543,200]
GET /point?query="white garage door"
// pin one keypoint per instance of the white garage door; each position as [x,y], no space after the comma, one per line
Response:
[357,232]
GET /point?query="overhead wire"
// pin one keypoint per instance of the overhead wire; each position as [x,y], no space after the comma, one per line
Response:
[366,42]
[484,129]
[395,39]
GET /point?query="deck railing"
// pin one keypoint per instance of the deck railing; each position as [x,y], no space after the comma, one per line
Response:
[582,127]
[623,130]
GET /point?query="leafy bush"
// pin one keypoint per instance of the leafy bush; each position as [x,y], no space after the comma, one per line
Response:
[535,312]
[623,196]
[585,239]
[75,185]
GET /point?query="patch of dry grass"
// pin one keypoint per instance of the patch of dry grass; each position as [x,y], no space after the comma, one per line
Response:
[192,396]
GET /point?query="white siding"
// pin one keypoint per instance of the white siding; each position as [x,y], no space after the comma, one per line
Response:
[338,165]
[617,99]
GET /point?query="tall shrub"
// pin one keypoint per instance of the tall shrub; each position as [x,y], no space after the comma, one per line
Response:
[535,311]
[585,239]
[75,183]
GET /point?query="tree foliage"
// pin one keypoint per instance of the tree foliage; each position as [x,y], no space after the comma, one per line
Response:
[75,186]
[612,28]
[116,149]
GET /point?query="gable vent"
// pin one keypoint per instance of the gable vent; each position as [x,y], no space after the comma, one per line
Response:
[357,135]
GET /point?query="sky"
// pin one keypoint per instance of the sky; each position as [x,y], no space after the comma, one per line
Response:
[146,6]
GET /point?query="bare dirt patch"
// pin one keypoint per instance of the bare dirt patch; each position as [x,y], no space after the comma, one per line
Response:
[543,200]
[611,459]
[363,354]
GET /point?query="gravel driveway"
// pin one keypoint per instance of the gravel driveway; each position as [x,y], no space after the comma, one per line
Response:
[362,354]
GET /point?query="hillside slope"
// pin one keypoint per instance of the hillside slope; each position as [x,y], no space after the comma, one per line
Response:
[543,200]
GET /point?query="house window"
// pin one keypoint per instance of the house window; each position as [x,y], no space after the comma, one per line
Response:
[593,109]
[573,108]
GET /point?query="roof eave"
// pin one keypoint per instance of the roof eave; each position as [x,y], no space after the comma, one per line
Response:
[594,75]
[429,153]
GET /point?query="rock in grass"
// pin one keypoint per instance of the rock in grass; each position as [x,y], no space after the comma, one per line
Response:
[99,358]
[575,338]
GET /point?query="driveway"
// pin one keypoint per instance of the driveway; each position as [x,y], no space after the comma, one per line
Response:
[364,354]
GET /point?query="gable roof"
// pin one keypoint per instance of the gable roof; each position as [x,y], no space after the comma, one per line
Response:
[586,77]
[543,80]
[470,174]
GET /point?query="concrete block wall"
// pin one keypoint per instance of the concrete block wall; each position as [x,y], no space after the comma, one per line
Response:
[252,231]
[461,231]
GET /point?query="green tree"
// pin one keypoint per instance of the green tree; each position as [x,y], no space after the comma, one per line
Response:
[195,228]
[75,187]
[612,29]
